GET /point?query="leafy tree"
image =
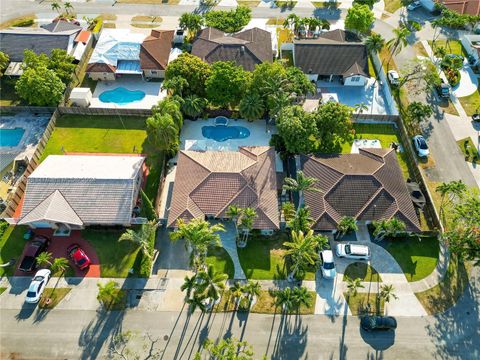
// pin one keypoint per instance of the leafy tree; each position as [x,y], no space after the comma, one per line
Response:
[301,297]
[297,130]
[334,126]
[170,106]
[284,298]
[418,112]
[227,349]
[193,70]
[55,6]
[40,86]
[398,42]
[463,242]
[453,19]
[229,21]
[148,206]
[59,61]
[346,225]
[4,60]
[387,228]
[449,192]
[302,250]
[369,3]
[211,283]
[142,238]
[196,302]
[193,106]
[387,292]
[288,210]
[175,85]
[226,84]
[162,133]
[359,19]
[192,23]
[301,221]
[297,82]
[44,259]
[189,285]
[292,22]
[108,293]
[60,265]
[300,184]
[251,107]
[360,108]
[353,285]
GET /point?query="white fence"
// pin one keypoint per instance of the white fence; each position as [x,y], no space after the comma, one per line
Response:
[382,78]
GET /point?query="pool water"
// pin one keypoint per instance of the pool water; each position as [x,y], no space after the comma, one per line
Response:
[11,137]
[224,133]
[121,96]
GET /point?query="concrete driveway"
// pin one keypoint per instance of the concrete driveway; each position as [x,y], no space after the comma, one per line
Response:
[173,255]
[468,82]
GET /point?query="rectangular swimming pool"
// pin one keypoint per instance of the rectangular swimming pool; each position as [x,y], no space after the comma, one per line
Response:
[11,137]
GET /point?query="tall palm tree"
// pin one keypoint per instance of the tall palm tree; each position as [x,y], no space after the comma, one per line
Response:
[172,107]
[396,44]
[55,6]
[252,289]
[302,250]
[301,184]
[234,213]
[387,292]
[237,291]
[301,296]
[108,293]
[196,302]
[288,210]
[375,43]
[360,108]
[44,259]
[163,133]
[193,106]
[211,283]
[246,224]
[292,22]
[284,298]
[302,221]
[175,85]
[60,264]
[385,228]
[192,23]
[189,285]
[199,235]
[450,191]
[353,285]
[68,6]
[251,107]
[142,238]
[345,225]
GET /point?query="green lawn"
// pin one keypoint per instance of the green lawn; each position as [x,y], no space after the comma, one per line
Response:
[468,148]
[363,271]
[392,5]
[358,304]
[55,295]
[11,247]
[385,133]
[2,290]
[471,103]
[8,97]
[221,261]
[416,258]
[105,134]
[116,258]
[371,68]
[451,46]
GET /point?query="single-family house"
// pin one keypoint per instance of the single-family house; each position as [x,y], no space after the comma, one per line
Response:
[467,7]
[208,182]
[471,44]
[366,186]
[121,52]
[67,192]
[246,48]
[336,55]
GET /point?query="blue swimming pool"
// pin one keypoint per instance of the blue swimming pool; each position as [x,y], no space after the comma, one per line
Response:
[121,96]
[224,133]
[11,137]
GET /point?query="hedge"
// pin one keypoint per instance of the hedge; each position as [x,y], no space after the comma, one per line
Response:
[146,263]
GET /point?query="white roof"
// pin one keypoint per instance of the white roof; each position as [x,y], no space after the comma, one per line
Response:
[80,93]
[88,167]
[359,249]
[117,44]
[79,50]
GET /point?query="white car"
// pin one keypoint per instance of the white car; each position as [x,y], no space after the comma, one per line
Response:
[421,146]
[37,286]
[393,77]
[328,266]
[414,5]
[353,251]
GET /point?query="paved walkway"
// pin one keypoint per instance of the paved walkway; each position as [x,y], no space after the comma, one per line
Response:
[229,243]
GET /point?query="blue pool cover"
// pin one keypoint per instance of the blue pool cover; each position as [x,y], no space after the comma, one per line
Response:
[224,133]
[11,137]
[121,96]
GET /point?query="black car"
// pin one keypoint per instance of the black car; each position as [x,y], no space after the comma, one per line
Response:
[34,248]
[372,323]
[476,117]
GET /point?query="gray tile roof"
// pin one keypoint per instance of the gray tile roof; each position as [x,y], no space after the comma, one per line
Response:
[247,48]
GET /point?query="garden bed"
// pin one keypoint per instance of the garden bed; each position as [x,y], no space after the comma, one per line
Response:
[469,150]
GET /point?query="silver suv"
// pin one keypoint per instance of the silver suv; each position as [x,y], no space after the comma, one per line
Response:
[353,251]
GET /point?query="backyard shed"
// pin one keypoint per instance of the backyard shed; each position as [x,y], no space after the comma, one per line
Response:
[81,97]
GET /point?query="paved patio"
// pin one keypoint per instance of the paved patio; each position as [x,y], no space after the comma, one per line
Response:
[153,93]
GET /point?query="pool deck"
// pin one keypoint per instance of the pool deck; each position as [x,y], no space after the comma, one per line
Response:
[152,90]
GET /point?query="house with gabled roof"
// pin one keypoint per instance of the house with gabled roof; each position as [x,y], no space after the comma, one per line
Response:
[68,192]
[208,182]
[366,186]
[247,48]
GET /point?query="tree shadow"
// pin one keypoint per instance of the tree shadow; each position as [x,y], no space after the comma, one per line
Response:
[291,338]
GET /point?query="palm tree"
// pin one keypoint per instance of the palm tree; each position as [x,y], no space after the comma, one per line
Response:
[360,108]
[68,6]
[191,23]
[60,264]
[199,235]
[44,259]
[301,296]
[193,106]
[195,302]
[189,285]
[302,221]
[396,44]
[142,238]
[55,6]
[284,298]
[387,292]
[172,107]
[252,289]
[278,100]
[292,22]
[288,210]
[375,43]
[345,225]
[353,285]
[234,213]
[237,291]
[211,283]
[175,85]
[302,250]
[385,228]
[246,224]
[301,184]
[449,192]
[163,133]
[251,107]
[108,293]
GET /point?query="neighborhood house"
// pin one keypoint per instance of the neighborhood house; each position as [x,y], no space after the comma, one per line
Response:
[67,192]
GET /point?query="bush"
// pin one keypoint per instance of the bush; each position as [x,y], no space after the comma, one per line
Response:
[146,263]
[3,227]
[229,21]
[453,76]
[147,207]
[23,23]
[98,25]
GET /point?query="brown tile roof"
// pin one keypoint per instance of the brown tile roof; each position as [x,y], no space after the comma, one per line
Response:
[155,50]
[100,67]
[247,48]
[366,186]
[471,7]
[206,183]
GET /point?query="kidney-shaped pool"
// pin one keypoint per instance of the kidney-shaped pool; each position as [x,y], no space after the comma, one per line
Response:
[224,133]
[121,96]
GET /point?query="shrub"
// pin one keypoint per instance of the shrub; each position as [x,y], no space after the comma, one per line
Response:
[98,25]
[229,21]
[146,262]
[147,207]
[3,227]
[23,23]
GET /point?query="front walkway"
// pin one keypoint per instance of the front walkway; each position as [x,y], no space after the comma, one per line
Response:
[229,243]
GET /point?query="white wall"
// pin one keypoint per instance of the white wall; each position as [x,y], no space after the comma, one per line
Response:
[467,44]
[356,80]
[383,79]
[160,74]
[101,76]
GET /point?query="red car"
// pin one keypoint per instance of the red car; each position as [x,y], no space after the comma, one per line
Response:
[78,256]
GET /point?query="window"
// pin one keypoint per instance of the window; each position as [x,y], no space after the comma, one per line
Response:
[355,78]
[154,72]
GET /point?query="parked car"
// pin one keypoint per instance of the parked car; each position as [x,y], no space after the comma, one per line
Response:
[476,117]
[421,146]
[353,251]
[328,266]
[37,286]
[443,89]
[34,248]
[78,256]
[371,323]
[414,5]
[393,77]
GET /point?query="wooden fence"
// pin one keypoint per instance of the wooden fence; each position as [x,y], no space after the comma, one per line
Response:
[64,110]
